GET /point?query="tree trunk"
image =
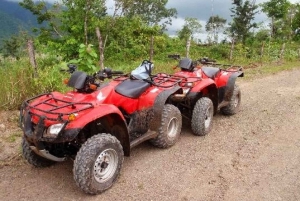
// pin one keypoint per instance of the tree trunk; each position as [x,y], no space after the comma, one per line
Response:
[88,7]
[282,52]
[188,45]
[262,52]
[101,49]
[32,59]
[151,48]
[231,50]
[272,27]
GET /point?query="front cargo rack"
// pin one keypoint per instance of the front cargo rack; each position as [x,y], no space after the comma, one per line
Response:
[53,110]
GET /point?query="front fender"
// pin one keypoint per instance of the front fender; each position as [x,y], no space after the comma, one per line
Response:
[93,114]
[103,110]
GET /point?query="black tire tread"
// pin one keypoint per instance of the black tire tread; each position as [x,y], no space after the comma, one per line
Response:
[86,156]
[230,109]
[162,140]
[198,117]
[33,158]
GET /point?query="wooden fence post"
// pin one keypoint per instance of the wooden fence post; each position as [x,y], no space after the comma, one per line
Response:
[231,50]
[101,49]
[282,52]
[262,52]
[188,45]
[31,54]
[151,48]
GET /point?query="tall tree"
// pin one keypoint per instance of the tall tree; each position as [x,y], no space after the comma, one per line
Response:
[67,25]
[153,12]
[80,14]
[47,17]
[243,14]
[278,12]
[213,26]
[191,26]
[296,21]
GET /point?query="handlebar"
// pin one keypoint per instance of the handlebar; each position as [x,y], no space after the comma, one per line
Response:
[206,60]
[117,72]
[71,68]
[107,73]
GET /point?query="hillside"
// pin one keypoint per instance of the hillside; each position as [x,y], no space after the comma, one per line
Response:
[14,18]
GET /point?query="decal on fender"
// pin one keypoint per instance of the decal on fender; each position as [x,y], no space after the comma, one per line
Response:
[154,90]
[100,96]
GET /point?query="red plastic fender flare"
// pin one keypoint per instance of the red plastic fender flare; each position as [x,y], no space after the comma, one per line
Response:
[202,84]
[95,113]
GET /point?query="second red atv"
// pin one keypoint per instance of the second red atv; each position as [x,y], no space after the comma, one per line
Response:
[207,88]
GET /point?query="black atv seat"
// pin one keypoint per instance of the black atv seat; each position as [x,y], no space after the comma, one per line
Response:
[132,88]
[210,72]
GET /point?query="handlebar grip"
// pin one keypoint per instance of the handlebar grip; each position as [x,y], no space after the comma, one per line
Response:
[117,72]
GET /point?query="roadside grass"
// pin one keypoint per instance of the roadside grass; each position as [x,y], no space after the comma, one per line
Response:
[252,72]
[17,82]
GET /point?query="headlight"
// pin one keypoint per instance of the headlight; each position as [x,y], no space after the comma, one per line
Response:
[55,129]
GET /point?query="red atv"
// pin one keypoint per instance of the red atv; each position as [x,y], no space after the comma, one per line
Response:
[207,88]
[97,123]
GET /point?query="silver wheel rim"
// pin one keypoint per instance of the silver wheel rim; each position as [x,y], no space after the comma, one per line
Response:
[105,165]
[172,127]
[208,117]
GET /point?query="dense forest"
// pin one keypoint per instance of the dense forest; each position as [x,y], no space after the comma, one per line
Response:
[82,32]
[14,19]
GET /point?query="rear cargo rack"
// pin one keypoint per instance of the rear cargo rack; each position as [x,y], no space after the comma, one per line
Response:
[166,81]
[54,108]
[224,67]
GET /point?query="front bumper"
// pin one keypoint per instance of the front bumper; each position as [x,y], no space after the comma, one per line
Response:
[38,132]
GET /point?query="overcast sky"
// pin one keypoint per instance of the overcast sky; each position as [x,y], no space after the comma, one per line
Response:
[200,9]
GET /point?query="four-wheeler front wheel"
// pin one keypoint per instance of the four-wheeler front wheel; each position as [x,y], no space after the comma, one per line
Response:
[98,163]
[170,127]
[32,157]
[234,103]
[202,116]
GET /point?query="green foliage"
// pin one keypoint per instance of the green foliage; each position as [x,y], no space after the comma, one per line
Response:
[87,58]
[280,12]
[214,25]
[13,47]
[150,11]
[17,83]
[191,26]
[243,14]
[277,9]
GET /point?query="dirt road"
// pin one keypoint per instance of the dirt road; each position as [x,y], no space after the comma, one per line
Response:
[254,155]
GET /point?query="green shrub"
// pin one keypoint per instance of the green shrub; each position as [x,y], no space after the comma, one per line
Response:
[17,82]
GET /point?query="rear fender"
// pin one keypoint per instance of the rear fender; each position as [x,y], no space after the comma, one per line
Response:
[230,85]
[111,118]
[158,105]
